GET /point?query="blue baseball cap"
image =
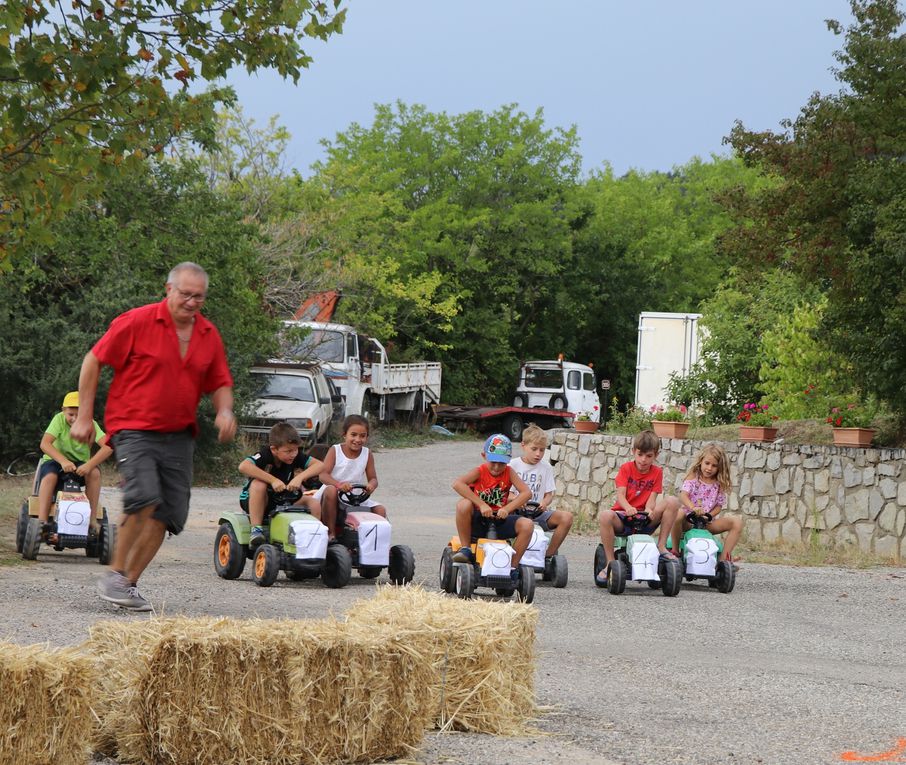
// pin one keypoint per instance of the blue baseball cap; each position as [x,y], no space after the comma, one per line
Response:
[498,448]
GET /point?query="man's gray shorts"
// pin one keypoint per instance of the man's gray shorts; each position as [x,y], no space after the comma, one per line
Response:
[157,471]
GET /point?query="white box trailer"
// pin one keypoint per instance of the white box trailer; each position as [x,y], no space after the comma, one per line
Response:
[669,343]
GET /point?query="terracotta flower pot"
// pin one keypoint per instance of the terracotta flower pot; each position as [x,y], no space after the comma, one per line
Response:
[666,429]
[853,436]
[585,426]
[756,434]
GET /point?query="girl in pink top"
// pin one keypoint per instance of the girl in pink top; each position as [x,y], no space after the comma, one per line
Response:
[704,492]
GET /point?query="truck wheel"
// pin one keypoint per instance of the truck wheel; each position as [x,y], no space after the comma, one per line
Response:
[558,401]
[447,573]
[267,565]
[520,399]
[559,571]
[32,542]
[337,567]
[525,590]
[107,540]
[513,427]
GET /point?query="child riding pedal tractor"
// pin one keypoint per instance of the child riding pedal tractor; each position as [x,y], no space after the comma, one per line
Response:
[293,541]
[366,536]
[485,518]
[64,510]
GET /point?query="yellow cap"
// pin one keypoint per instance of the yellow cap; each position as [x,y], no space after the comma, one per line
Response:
[71,399]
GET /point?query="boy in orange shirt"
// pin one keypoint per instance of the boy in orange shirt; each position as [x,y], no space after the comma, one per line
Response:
[639,490]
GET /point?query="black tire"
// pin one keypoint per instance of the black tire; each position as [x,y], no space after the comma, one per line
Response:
[558,401]
[32,541]
[725,579]
[402,564]
[600,564]
[267,565]
[370,572]
[92,544]
[229,555]
[559,571]
[21,525]
[525,590]
[107,541]
[337,569]
[513,426]
[616,577]
[671,573]
[521,400]
[446,573]
[465,581]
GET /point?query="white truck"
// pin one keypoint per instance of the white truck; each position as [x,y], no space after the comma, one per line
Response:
[358,366]
[669,343]
[549,394]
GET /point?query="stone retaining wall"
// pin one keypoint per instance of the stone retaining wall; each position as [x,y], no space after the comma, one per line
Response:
[839,495]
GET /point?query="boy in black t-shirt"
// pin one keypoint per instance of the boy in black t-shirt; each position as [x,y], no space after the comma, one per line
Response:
[281,467]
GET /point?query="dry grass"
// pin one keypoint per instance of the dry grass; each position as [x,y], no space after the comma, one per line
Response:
[45,705]
[482,654]
[229,692]
[811,554]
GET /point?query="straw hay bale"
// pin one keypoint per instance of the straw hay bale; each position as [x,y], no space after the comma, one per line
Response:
[482,653]
[274,692]
[45,705]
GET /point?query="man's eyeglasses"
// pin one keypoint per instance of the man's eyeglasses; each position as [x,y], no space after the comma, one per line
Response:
[198,297]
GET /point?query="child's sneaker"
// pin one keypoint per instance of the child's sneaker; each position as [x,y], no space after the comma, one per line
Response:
[514,575]
[257,538]
[464,555]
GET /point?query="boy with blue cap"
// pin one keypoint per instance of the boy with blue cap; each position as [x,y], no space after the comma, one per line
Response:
[486,499]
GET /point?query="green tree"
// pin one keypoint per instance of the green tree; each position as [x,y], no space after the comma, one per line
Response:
[835,214]
[452,233]
[107,258]
[99,86]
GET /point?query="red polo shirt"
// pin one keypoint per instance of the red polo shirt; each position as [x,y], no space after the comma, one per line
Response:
[154,388]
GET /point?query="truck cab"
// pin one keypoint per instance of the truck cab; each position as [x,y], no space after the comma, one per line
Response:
[558,384]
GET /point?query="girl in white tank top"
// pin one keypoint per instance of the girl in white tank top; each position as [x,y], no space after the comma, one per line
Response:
[348,463]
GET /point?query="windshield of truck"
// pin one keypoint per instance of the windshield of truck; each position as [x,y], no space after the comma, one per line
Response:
[323,344]
[288,387]
[540,377]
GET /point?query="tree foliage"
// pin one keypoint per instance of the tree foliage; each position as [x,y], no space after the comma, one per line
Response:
[835,213]
[90,88]
[107,258]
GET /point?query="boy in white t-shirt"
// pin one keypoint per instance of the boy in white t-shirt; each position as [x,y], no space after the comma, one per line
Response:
[538,475]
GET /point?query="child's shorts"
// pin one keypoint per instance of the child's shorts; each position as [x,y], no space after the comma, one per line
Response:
[649,528]
[272,502]
[506,529]
[48,467]
[542,519]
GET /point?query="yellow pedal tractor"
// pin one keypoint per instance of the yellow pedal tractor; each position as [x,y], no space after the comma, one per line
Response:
[68,525]
[463,578]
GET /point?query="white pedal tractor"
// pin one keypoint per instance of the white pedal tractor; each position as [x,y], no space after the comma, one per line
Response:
[491,568]
[553,569]
[637,559]
[366,536]
[296,543]
[699,553]
[68,524]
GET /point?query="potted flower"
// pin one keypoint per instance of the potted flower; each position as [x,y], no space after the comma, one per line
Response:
[671,421]
[584,422]
[852,424]
[756,423]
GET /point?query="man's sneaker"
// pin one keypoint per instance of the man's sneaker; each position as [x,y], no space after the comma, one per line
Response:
[115,588]
[464,555]
[257,538]
[137,602]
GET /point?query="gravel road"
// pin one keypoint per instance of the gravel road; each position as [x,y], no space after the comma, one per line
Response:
[795,667]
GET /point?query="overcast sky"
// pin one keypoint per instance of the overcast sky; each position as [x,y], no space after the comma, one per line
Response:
[649,85]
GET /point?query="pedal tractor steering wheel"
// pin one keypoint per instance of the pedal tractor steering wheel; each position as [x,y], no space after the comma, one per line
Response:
[356,495]
[699,521]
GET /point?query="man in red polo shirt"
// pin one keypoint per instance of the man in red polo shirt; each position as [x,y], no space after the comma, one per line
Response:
[164,356]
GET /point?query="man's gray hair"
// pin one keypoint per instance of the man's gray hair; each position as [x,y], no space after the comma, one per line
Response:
[188,265]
